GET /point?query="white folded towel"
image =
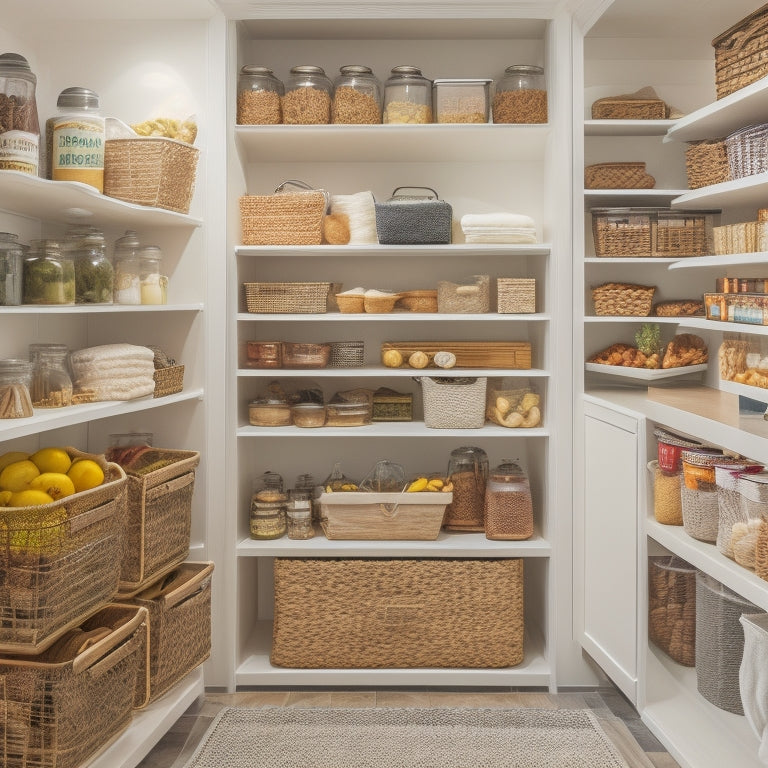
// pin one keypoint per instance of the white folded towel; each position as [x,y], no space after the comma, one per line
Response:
[500,219]
[501,237]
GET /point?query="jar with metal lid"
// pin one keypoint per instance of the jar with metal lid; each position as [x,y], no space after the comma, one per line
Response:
[11,260]
[468,473]
[508,503]
[356,96]
[407,96]
[51,383]
[19,124]
[307,99]
[127,269]
[153,283]
[15,381]
[521,95]
[94,276]
[49,274]
[258,96]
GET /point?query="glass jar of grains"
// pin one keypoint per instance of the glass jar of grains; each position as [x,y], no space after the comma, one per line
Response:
[15,380]
[258,96]
[356,96]
[49,274]
[521,96]
[468,472]
[307,99]
[19,124]
[299,519]
[407,96]
[51,385]
[508,505]
[127,269]
[11,258]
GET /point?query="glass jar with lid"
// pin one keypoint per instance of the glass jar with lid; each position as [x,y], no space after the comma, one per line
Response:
[153,283]
[51,383]
[11,259]
[19,126]
[269,505]
[307,99]
[15,381]
[468,473]
[49,274]
[521,95]
[94,276]
[356,96]
[299,519]
[258,96]
[508,504]
[407,96]
[126,265]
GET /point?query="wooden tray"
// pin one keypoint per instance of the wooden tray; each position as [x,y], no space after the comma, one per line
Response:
[515,355]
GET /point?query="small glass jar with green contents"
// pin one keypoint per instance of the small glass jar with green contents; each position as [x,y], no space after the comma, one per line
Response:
[49,274]
[94,276]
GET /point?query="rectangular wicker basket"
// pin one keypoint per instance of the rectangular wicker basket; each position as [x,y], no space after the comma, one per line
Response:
[623,299]
[398,613]
[617,108]
[706,162]
[284,218]
[169,381]
[741,53]
[516,295]
[628,175]
[294,298]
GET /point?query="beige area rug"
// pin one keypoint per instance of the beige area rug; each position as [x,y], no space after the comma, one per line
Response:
[286,737]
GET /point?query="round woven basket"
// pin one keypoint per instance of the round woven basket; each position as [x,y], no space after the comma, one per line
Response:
[350,303]
[419,301]
[379,304]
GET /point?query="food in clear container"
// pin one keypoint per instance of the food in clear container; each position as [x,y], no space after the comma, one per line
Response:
[49,274]
[508,511]
[258,96]
[468,474]
[461,100]
[407,96]
[356,96]
[521,95]
[307,98]
[308,414]
[305,355]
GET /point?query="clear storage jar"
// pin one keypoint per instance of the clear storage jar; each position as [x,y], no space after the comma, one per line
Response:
[307,99]
[461,100]
[11,260]
[49,274]
[468,473]
[268,509]
[508,511]
[521,95]
[299,519]
[15,381]
[51,385]
[407,96]
[356,96]
[94,276]
[127,269]
[258,96]
[19,124]
[153,284]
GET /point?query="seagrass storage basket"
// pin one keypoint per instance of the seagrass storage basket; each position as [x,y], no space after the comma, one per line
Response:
[622,232]
[623,299]
[706,162]
[454,403]
[627,175]
[618,108]
[179,611]
[169,380]
[747,150]
[160,485]
[515,295]
[151,170]
[293,298]
[346,354]
[65,704]
[398,613]
[741,53]
[672,607]
[59,561]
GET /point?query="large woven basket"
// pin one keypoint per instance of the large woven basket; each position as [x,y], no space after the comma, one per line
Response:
[741,53]
[628,175]
[620,232]
[59,561]
[298,298]
[706,162]
[617,108]
[398,613]
[454,403]
[747,150]
[151,170]
[61,707]
[623,299]
[515,295]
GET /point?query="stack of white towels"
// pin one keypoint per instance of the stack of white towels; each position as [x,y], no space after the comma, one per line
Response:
[114,371]
[500,227]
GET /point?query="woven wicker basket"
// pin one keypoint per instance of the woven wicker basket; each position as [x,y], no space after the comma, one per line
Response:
[151,170]
[169,381]
[706,162]
[618,176]
[380,304]
[346,354]
[59,561]
[351,303]
[741,53]
[398,613]
[294,298]
[389,405]
[616,108]
[516,295]
[61,707]
[419,301]
[747,150]
[622,232]
[623,299]
[451,403]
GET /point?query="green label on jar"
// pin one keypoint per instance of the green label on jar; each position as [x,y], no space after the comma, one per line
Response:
[78,152]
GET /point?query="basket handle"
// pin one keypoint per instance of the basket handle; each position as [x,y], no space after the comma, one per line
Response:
[397,189]
[92,658]
[192,587]
[182,481]
[303,185]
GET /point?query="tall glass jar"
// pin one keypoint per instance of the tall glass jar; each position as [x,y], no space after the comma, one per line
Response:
[407,96]
[153,283]
[51,383]
[356,96]
[94,276]
[19,125]
[258,96]
[521,95]
[11,257]
[15,381]
[269,506]
[508,504]
[307,99]
[468,472]
[127,270]
[49,274]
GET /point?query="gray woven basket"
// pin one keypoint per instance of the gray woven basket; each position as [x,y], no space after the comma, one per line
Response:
[346,354]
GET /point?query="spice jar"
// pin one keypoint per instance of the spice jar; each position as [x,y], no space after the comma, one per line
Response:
[407,96]
[356,96]
[152,282]
[127,271]
[268,507]
[15,380]
[306,489]
[521,96]
[11,258]
[468,472]
[94,276]
[51,385]
[75,139]
[49,274]
[258,96]
[19,125]
[307,99]
[508,504]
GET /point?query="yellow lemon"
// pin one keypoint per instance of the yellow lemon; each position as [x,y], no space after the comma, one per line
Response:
[85,474]
[17,476]
[47,535]
[11,457]
[5,497]
[51,460]
[29,498]
[56,484]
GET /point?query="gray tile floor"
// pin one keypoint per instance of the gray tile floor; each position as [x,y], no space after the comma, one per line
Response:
[617,716]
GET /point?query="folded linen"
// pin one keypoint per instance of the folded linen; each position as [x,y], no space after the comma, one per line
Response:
[498,219]
[111,352]
[361,212]
[501,237]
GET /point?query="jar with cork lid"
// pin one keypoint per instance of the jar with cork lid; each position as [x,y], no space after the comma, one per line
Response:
[307,99]
[356,96]
[258,96]
[521,95]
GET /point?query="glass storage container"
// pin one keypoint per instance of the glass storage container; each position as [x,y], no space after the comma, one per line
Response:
[94,276]
[11,260]
[508,504]
[51,385]
[19,125]
[127,269]
[307,99]
[407,96]
[15,381]
[269,412]
[356,96]
[461,100]
[308,414]
[49,274]
[468,473]
[521,96]
[299,522]
[153,283]
[258,96]
[347,414]
[269,504]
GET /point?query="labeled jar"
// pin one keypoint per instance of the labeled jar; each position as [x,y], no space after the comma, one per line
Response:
[307,99]
[11,261]
[19,125]
[521,95]
[127,280]
[356,96]
[259,94]
[49,274]
[468,472]
[94,276]
[508,503]
[153,283]
[407,96]
[15,381]
[75,139]
[51,385]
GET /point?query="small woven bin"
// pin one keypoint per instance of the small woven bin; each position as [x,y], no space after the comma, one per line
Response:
[346,354]
[151,170]
[623,299]
[706,162]
[616,108]
[622,232]
[284,218]
[516,295]
[293,298]
[741,53]
[626,175]
[453,403]
[169,381]
[418,301]
[374,613]
[61,707]
[672,608]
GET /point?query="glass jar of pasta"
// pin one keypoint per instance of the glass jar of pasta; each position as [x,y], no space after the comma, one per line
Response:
[407,96]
